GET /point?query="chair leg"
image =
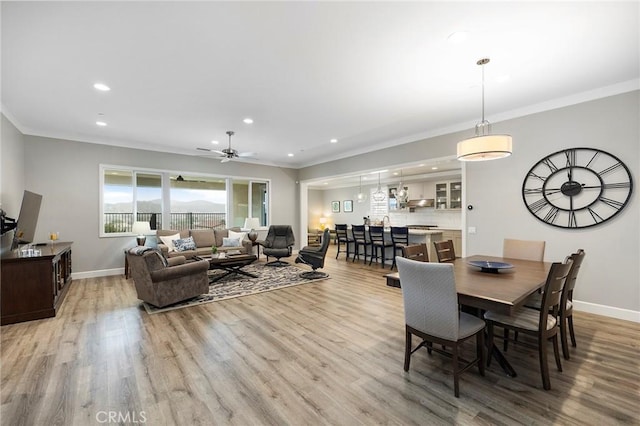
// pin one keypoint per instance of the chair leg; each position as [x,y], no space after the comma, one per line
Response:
[480,351]
[489,342]
[563,337]
[571,332]
[544,367]
[407,350]
[456,372]
[556,352]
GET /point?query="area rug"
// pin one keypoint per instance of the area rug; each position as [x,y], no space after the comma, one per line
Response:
[236,285]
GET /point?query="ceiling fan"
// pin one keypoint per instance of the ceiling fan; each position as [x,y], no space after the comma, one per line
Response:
[228,153]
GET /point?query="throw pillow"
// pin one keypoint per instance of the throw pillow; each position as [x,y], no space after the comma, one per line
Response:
[168,241]
[230,242]
[185,244]
[239,235]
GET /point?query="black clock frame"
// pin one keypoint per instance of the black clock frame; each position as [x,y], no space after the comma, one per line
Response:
[572,188]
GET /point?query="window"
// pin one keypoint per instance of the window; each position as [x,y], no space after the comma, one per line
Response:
[177,201]
[197,202]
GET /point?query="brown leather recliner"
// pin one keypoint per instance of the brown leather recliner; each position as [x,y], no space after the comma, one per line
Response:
[161,281]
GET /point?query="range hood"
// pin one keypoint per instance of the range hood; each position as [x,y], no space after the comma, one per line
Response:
[422,202]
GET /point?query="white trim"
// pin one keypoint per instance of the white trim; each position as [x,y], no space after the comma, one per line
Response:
[607,311]
[97,274]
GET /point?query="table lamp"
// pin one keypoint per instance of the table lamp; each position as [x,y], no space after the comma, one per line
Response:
[142,229]
[323,223]
[251,223]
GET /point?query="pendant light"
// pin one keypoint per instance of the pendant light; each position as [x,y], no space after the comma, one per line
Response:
[401,194]
[379,195]
[361,197]
[484,146]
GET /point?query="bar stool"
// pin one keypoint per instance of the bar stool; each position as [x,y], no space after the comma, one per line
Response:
[399,239]
[342,237]
[359,240]
[377,242]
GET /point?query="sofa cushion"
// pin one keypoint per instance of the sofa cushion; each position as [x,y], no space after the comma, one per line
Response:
[185,244]
[168,240]
[203,237]
[231,242]
[220,234]
[239,235]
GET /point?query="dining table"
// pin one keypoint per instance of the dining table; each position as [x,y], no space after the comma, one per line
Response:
[497,284]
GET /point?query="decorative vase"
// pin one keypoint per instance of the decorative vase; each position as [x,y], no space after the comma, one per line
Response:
[252,235]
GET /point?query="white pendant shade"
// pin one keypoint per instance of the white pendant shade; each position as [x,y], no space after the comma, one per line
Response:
[483,148]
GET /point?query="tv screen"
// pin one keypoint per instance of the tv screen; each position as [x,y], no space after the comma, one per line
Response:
[28,218]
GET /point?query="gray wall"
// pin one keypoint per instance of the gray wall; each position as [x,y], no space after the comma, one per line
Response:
[610,273]
[66,173]
[610,278]
[12,174]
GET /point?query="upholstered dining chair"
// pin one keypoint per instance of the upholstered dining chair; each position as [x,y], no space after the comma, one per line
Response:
[378,244]
[565,314]
[417,252]
[342,237]
[432,313]
[523,249]
[359,240]
[445,251]
[541,325]
[400,239]
[278,243]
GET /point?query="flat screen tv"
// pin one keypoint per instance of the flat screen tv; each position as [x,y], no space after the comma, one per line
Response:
[28,219]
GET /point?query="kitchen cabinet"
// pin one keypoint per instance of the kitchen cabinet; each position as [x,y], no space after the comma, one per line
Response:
[449,195]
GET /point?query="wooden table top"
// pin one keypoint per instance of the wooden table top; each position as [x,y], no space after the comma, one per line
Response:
[503,291]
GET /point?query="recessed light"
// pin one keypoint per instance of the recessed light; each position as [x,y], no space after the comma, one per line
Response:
[290,155]
[102,87]
[395,173]
[215,142]
[434,168]
[326,183]
[334,141]
[101,123]
[458,37]
[248,120]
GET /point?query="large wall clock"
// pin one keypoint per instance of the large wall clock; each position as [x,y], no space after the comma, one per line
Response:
[577,188]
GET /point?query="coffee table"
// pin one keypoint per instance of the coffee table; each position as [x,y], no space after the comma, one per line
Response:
[232,264]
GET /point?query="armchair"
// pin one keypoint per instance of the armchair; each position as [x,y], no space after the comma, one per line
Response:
[278,243]
[314,257]
[161,281]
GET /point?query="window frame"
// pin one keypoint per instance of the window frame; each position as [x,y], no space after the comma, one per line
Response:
[166,199]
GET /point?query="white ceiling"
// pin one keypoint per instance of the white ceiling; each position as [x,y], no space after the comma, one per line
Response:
[370,74]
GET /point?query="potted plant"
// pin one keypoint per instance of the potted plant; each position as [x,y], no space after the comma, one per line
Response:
[214,250]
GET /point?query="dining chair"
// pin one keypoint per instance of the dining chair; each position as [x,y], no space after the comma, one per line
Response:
[523,249]
[565,314]
[378,243]
[417,252]
[400,239]
[445,251]
[541,325]
[431,312]
[359,240]
[342,237]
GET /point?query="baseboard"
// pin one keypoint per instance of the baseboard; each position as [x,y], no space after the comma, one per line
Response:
[607,311]
[98,273]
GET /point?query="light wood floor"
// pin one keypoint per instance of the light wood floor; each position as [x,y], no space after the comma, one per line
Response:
[328,352]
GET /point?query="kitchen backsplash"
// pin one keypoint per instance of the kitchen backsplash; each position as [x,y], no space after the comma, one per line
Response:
[443,219]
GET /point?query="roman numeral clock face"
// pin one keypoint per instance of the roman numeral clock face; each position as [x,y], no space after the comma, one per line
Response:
[577,188]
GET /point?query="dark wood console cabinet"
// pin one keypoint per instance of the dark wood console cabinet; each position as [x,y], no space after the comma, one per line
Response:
[34,287]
